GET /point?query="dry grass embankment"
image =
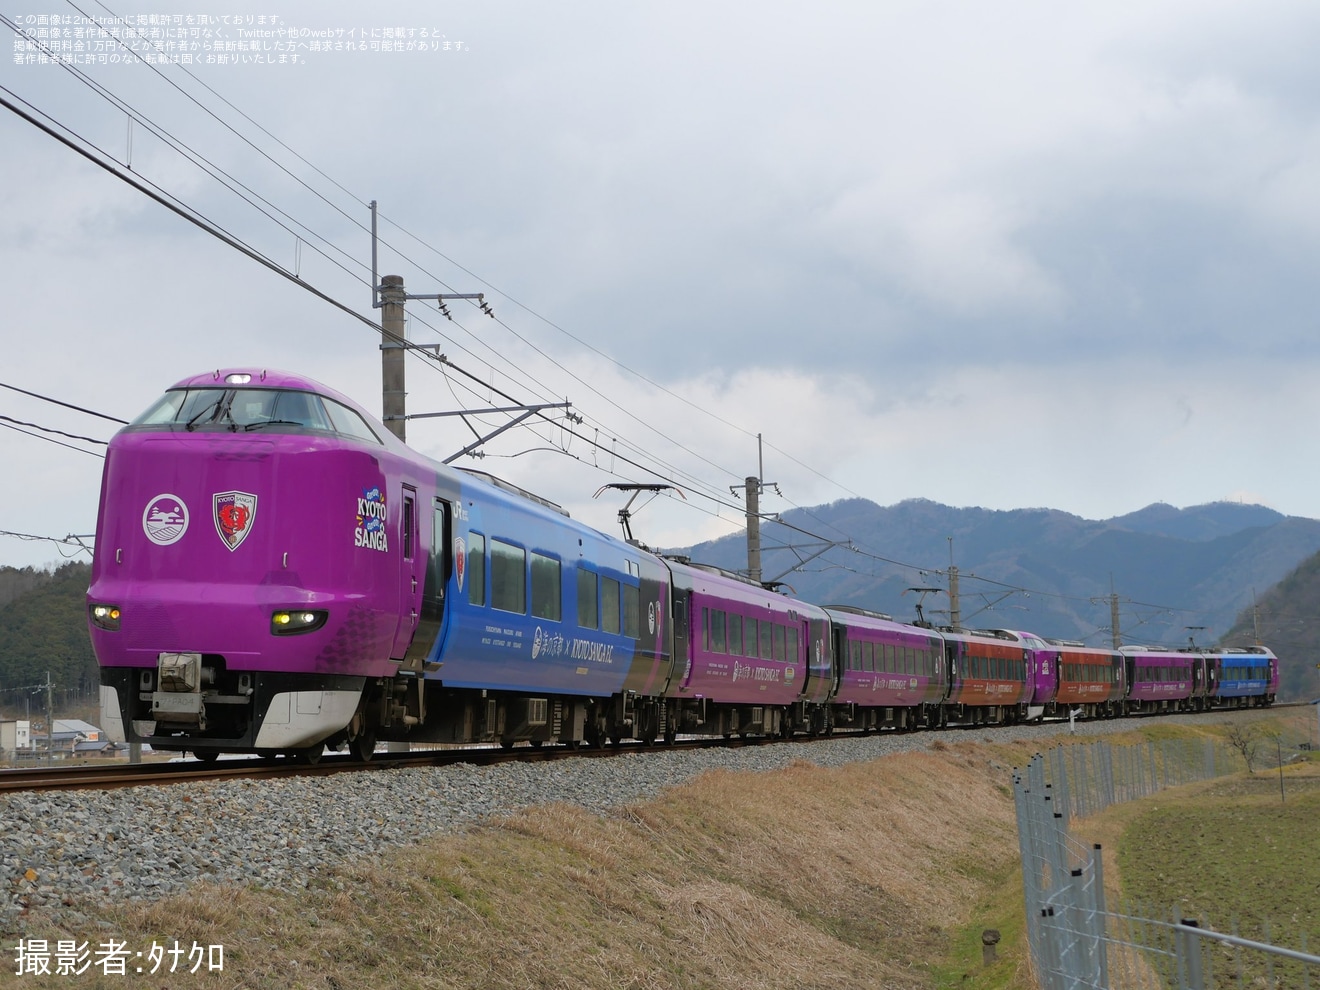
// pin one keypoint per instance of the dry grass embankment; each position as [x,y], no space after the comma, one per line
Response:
[862,876]
[872,875]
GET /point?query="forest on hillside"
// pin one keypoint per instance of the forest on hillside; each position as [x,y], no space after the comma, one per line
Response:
[43,629]
[1287,620]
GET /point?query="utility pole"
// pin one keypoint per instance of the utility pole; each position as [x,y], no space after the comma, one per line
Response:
[50,720]
[393,352]
[955,608]
[753,486]
[389,297]
[754,528]
[1113,619]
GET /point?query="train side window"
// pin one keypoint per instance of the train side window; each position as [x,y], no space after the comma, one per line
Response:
[547,594]
[632,611]
[735,634]
[718,643]
[779,642]
[751,634]
[409,526]
[609,605]
[508,577]
[868,658]
[791,653]
[348,422]
[588,607]
[854,655]
[476,568]
[767,637]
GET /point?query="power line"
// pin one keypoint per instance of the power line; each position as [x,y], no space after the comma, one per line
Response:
[38,436]
[66,541]
[47,429]
[192,217]
[66,405]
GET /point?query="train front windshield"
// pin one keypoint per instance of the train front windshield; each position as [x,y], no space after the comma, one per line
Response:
[248,409]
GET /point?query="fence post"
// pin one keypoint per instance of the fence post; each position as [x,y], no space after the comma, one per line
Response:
[1188,947]
[1099,914]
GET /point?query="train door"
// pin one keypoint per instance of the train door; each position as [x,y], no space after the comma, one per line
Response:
[682,642]
[410,576]
[437,569]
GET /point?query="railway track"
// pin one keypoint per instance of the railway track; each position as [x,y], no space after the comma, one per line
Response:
[105,777]
[109,776]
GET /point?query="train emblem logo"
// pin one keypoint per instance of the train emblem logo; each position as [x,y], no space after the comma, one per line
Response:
[460,560]
[165,519]
[234,513]
[371,514]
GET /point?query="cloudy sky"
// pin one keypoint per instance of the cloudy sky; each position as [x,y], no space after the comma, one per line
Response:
[1008,255]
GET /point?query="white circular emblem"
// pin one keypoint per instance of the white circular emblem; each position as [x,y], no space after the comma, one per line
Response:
[537,640]
[650,615]
[165,519]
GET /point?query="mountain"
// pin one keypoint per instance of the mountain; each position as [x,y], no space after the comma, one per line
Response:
[1178,573]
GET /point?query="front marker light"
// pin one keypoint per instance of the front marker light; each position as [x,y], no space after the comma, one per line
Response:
[105,616]
[294,621]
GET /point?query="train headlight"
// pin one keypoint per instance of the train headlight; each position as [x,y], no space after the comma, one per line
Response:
[105,616]
[293,621]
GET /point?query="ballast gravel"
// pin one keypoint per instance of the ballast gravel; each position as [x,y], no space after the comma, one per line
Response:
[64,848]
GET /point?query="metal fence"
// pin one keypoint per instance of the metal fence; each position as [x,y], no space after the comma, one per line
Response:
[1075,940]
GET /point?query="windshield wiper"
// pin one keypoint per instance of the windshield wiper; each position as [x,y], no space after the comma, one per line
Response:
[192,423]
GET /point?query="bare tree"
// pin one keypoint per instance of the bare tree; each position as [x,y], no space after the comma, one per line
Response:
[1246,740]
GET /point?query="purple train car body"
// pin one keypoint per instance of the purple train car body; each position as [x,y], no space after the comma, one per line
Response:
[1163,680]
[766,659]
[1042,668]
[245,560]
[890,675]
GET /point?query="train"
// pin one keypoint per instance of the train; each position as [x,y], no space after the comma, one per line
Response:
[275,572]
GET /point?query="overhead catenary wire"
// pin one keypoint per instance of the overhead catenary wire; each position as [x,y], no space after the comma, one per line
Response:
[66,405]
[50,429]
[191,216]
[200,161]
[38,436]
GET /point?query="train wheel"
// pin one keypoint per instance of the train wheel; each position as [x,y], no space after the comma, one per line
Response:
[363,746]
[207,755]
[671,736]
[310,755]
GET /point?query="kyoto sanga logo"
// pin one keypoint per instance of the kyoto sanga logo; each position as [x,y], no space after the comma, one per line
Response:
[234,513]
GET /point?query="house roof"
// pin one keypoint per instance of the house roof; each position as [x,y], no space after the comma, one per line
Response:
[74,725]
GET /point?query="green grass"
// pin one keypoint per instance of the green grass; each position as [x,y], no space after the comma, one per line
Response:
[1238,860]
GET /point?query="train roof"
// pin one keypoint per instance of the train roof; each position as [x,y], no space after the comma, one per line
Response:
[858,610]
[262,378]
[509,486]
